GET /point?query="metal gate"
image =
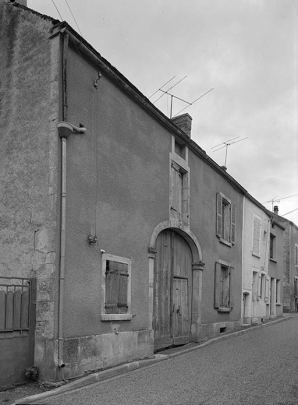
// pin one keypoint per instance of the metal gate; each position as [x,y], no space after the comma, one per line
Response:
[17,327]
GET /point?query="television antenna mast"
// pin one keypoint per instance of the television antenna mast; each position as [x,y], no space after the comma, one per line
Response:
[226,144]
[173,96]
[278,200]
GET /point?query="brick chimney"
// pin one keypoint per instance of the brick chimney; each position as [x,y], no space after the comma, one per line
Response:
[275,209]
[184,123]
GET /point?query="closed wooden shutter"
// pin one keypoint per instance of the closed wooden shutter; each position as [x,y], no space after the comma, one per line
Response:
[233,223]
[267,288]
[177,191]
[256,235]
[217,285]
[259,286]
[122,294]
[295,287]
[219,215]
[232,286]
[116,287]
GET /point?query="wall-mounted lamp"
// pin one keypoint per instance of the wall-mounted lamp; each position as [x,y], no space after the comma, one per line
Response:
[92,239]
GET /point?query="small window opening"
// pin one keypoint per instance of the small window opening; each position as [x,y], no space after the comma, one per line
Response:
[222,330]
[180,149]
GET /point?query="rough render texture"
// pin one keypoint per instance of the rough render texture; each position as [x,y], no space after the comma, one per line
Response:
[97,352]
[28,158]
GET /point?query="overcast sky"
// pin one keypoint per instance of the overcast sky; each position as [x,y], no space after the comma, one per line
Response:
[246,50]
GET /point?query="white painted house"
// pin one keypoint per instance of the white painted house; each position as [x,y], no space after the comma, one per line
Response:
[256,249]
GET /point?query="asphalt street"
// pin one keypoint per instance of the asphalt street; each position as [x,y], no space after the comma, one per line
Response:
[257,368]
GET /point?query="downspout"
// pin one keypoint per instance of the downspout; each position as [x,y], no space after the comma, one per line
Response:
[64,130]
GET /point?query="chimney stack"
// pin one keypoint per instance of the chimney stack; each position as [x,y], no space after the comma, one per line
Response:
[275,209]
[184,123]
[22,2]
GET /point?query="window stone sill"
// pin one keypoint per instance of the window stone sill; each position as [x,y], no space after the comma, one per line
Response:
[224,309]
[225,242]
[256,255]
[273,260]
[116,317]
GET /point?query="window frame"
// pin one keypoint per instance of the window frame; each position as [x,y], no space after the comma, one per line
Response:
[179,219]
[222,200]
[296,255]
[272,247]
[221,265]
[115,317]
[277,291]
[261,285]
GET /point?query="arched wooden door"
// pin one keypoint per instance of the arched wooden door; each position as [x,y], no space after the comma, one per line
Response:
[172,290]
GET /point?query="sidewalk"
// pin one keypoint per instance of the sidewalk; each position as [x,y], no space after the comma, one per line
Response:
[161,356]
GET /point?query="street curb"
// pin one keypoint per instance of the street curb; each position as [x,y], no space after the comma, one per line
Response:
[125,368]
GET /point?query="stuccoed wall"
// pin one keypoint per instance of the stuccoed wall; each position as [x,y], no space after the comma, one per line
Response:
[28,158]
[118,188]
[205,182]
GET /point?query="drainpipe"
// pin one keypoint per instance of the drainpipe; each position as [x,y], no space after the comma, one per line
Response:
[64,130]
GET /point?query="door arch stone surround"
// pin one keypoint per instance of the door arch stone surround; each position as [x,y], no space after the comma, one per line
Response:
[197,276]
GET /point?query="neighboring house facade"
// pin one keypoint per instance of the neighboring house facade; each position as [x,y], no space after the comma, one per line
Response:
[290,263]
[131,233]
[255,275]
[276,254]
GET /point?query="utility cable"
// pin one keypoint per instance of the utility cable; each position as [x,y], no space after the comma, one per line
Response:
[57,10]
[73,17]
[289,212]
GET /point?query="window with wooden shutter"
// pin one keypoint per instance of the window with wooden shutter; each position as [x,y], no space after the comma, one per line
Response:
[296,255]
[219,215]
[116,288]
[267,288]
[179,191]
[256,235]
[223,287]
[225,220]
[278,291]
[296,287]
[233,223]
[272,246]
[259,286]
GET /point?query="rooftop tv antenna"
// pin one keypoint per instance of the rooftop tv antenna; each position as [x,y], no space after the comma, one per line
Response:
[173,96]
[278,200]
[226,144]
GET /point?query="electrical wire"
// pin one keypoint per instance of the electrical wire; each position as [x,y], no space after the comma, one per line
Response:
[57,10]
[73,17]
[279,199]
[289,212]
